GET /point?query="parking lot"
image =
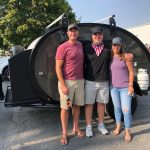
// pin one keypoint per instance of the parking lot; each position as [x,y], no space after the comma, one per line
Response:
[26,128]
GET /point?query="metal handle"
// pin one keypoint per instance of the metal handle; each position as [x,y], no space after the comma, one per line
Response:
[41,73]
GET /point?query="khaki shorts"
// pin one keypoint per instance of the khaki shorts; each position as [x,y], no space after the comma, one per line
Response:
[96,91]
[76,93]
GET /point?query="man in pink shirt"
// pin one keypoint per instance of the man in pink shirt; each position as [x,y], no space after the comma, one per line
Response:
[69,70]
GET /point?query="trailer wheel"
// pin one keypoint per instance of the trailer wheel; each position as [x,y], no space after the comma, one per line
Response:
[6,74]
[110,107]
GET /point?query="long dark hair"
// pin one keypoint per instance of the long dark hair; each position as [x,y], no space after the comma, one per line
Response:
[121,53]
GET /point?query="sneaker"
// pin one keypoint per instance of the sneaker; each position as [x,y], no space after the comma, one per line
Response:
[89,132]
[103,129]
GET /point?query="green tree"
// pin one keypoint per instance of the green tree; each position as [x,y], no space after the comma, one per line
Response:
[21,21]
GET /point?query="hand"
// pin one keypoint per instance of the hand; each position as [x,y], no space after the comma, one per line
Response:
[65,90]
[130,90]
[128,56]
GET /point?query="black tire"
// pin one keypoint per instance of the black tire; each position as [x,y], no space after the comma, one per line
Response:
[110,107]
[6,74]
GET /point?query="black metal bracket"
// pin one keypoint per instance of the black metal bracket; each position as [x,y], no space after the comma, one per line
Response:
[112,23]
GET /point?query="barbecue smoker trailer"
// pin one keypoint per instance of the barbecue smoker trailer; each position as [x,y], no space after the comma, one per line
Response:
[32,72]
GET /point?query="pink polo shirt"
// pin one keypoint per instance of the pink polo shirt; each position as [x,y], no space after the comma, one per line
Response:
[73,60]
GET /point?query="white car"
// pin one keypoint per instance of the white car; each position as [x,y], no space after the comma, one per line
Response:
[4,70]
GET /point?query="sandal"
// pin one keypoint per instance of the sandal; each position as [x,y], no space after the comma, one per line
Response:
[117,132]
[128,137]
[79,133]
[63,141]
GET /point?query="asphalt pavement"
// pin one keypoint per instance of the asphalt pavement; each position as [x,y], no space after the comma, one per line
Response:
[26,128]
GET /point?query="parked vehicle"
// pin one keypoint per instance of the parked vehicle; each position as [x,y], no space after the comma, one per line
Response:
[32,72]
[4,70]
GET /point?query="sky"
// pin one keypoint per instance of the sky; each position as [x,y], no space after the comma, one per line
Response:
[128,13]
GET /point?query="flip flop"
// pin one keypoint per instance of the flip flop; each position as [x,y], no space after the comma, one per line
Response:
[128,139]
[79,133]
[63,141]
[117,132]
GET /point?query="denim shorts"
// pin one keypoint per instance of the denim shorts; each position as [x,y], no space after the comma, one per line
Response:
[96,91]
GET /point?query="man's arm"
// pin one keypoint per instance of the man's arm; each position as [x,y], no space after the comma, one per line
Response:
[59,65]
[129,58]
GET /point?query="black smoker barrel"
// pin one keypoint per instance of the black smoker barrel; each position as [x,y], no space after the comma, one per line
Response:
[36,81]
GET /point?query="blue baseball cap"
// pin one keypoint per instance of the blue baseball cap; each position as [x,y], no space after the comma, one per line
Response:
[117,40]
